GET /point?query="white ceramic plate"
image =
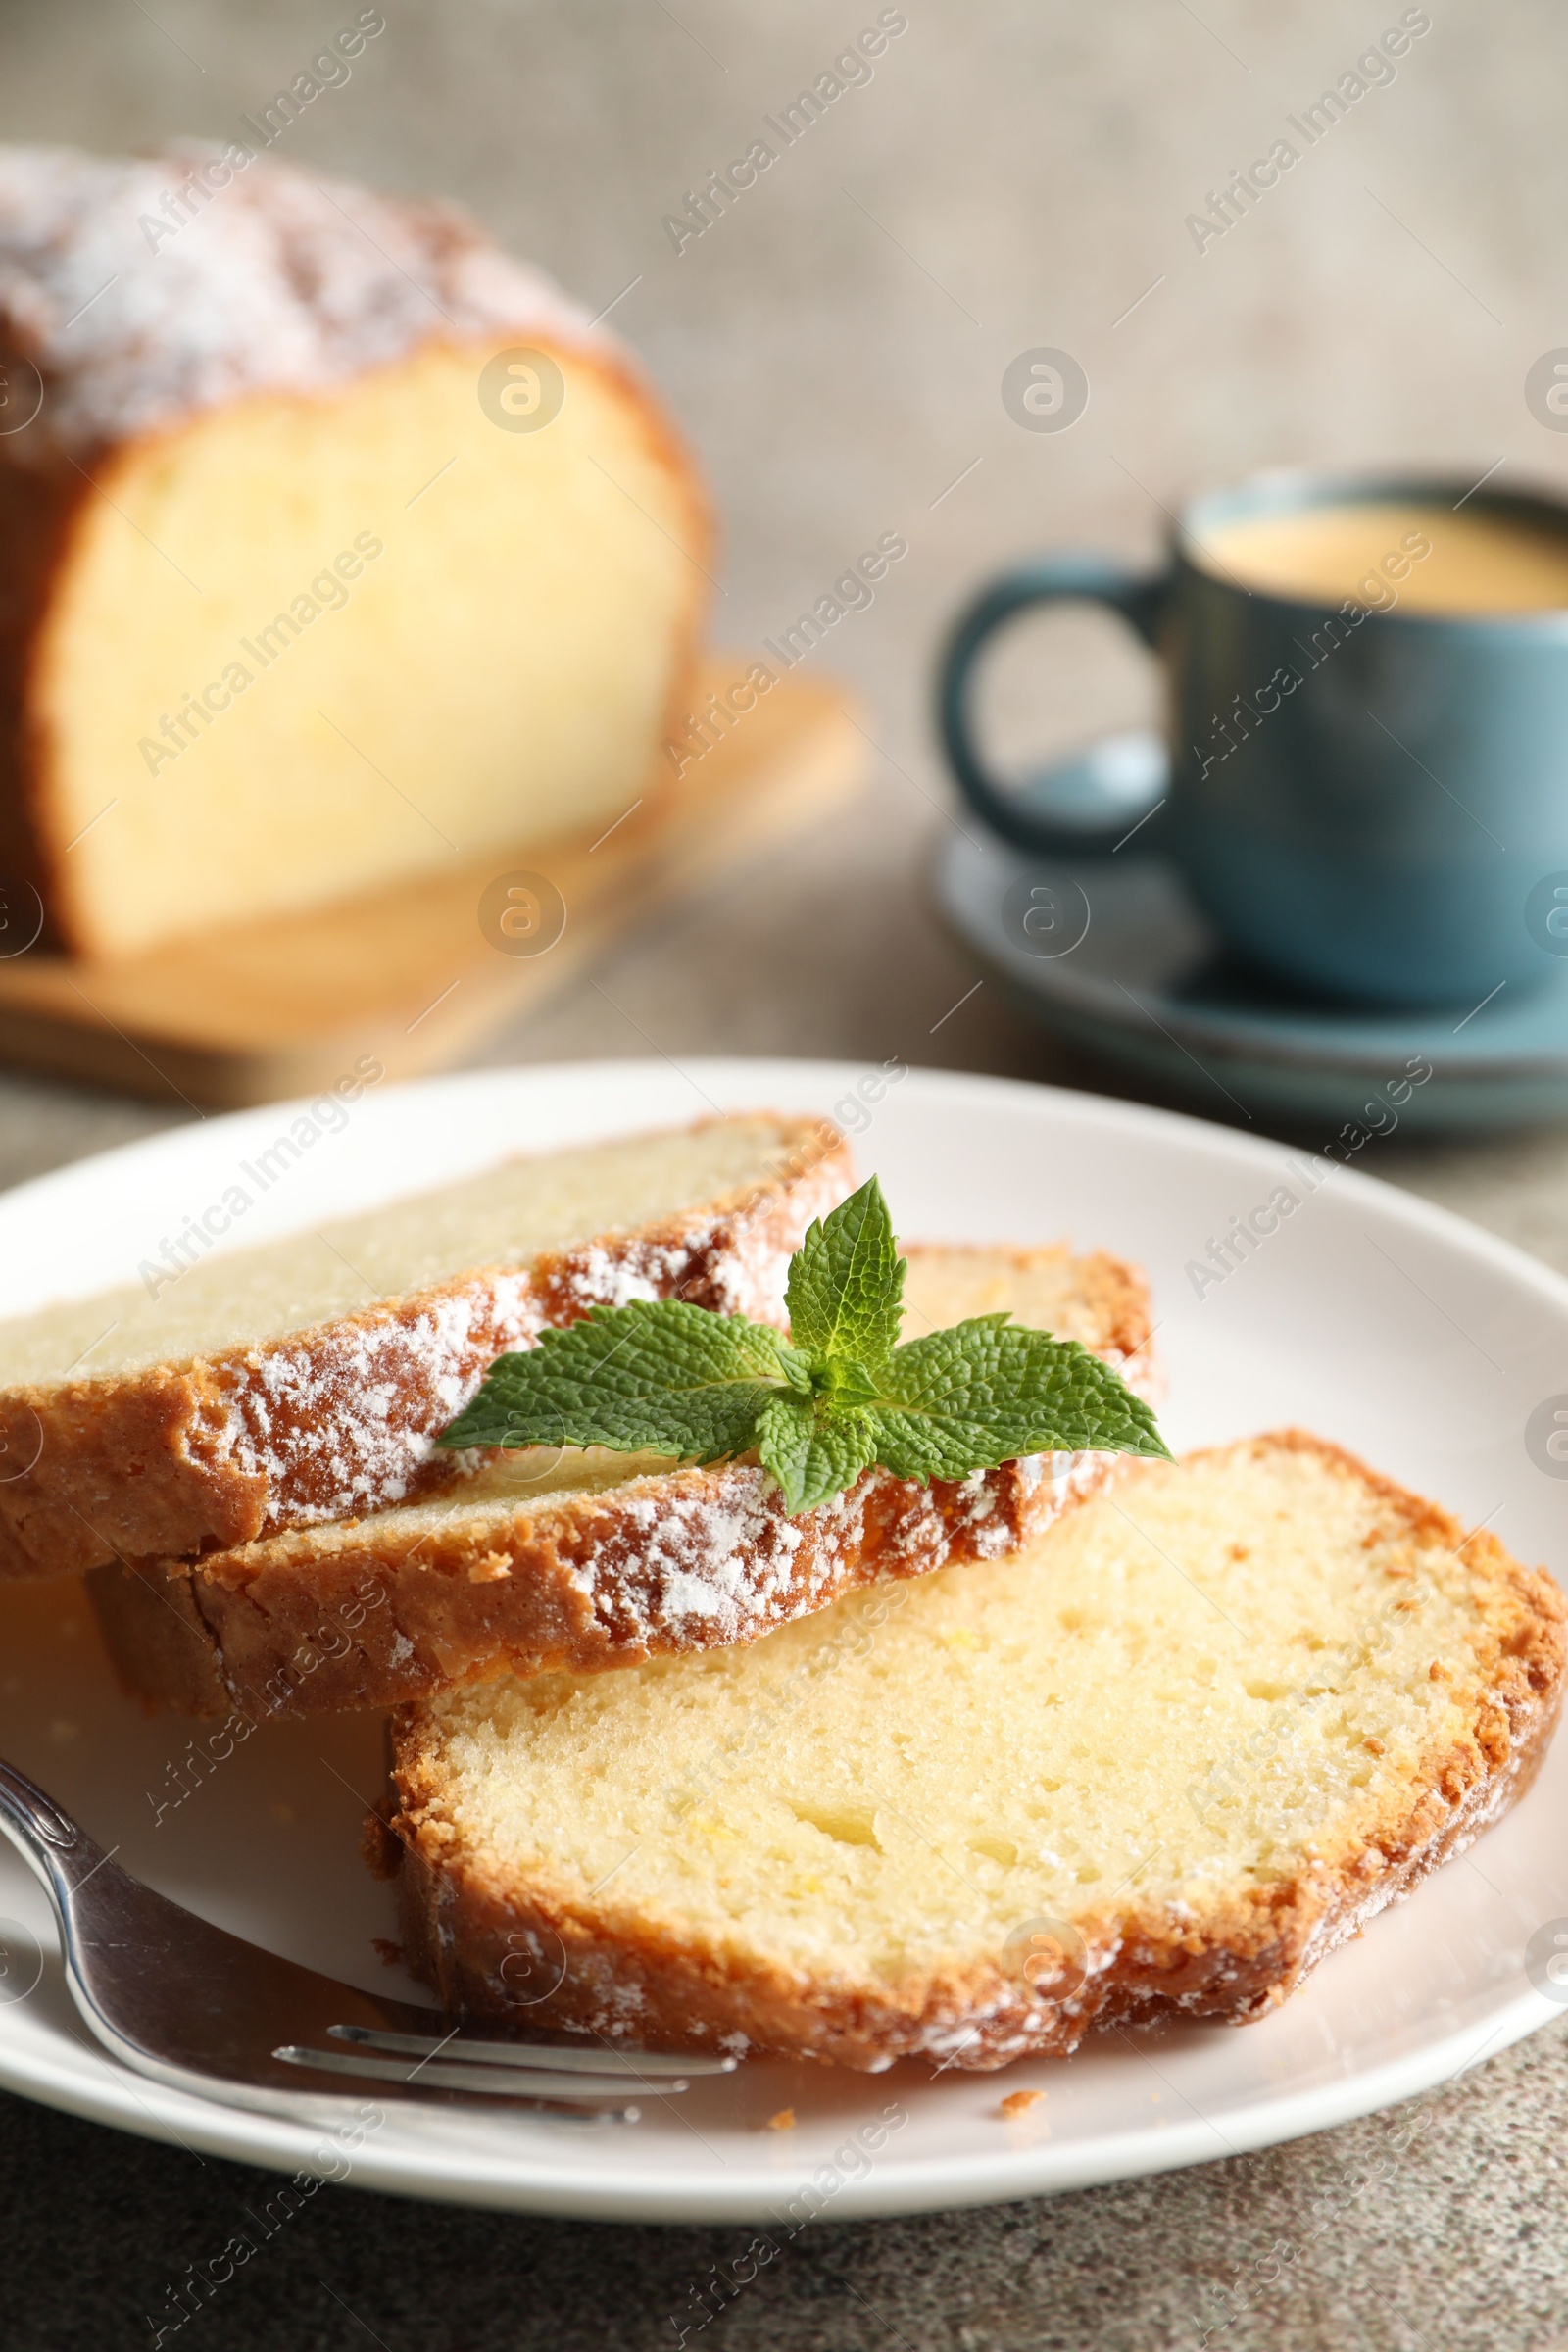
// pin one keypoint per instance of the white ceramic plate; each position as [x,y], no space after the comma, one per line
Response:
[1375,1320]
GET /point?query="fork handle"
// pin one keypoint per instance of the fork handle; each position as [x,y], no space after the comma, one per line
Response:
[47,1839]
[27,1813]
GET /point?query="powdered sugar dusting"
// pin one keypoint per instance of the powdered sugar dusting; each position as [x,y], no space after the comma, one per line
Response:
[258,278]
[343,1419]
[704,1561]
[707,1559]
[600,1278]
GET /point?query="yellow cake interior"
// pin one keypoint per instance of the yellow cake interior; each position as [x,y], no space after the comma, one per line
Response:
[1217,1676]
[504,1215]
[458,638]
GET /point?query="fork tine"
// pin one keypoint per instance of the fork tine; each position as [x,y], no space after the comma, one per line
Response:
[491,2081]
[197,2009]
[638,2066]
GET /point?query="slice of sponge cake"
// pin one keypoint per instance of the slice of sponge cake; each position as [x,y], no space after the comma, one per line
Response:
[589,1559]
[1164,1760]
[302,1379]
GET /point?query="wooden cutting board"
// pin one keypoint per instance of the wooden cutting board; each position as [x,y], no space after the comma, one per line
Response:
[418,973]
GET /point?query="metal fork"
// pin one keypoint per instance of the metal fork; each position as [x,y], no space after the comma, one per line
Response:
[208,2013]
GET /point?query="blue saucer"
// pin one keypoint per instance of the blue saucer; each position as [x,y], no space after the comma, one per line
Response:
[1114,957]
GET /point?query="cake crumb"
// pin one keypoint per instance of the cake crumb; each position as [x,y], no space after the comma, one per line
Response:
[387,1951]
[1435,1670]
[1373,1746]
[1019,2102]
[784,2121]
[489,1568]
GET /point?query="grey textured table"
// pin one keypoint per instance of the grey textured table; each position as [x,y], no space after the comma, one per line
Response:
[1013,175]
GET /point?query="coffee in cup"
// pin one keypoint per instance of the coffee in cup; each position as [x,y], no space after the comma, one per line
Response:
[1420,555]
[1365,783]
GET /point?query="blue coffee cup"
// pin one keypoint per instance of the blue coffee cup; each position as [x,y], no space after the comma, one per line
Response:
[1368,800]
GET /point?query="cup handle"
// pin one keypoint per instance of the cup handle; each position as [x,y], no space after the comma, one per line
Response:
[1105,781]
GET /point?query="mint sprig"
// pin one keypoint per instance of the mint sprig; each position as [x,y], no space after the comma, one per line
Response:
[840,1394]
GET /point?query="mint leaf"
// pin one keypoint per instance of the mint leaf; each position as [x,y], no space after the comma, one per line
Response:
[840,1394]
[845,1291]
[990,1389]
[656,1377]
[815,1447]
